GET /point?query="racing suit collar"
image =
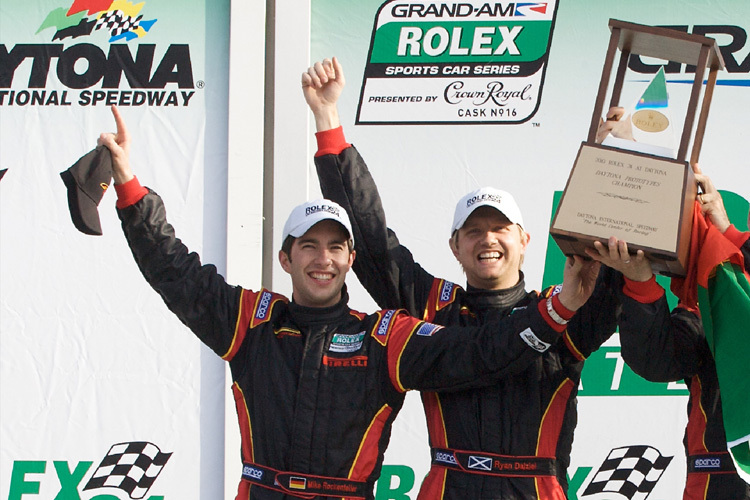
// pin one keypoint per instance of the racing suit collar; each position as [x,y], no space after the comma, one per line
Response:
[479,298]
[320,315]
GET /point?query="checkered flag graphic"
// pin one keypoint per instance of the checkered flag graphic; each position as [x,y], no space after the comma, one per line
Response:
[117,23]
[631,471]
[132,467]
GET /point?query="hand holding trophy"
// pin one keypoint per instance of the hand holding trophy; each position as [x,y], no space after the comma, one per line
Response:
[638,191]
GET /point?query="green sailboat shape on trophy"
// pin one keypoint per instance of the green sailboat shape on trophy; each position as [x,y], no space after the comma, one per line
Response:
[651,122]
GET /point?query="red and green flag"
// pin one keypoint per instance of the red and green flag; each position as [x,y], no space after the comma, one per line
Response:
[723,296]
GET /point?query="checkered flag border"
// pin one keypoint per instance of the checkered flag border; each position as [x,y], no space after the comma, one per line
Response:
[117,23]
[132,467]
[631,471]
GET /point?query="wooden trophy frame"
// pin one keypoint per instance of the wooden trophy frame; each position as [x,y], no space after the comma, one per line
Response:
[592,209]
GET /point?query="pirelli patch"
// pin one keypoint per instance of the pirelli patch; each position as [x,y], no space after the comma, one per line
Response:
[533,341]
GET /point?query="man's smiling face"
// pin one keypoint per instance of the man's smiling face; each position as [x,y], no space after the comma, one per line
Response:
[318,262]
[490,249]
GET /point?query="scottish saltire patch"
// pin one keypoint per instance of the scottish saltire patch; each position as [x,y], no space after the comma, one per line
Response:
[459,62]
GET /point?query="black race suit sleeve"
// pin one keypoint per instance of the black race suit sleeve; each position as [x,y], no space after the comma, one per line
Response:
[388,271]
[658,345]
[384,267]
[197,294]
[425,356]
[596,320]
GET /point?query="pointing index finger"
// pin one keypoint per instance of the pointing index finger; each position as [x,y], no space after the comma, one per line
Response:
[122,130]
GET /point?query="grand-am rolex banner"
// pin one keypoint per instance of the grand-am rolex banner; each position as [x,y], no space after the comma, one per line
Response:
[104,394]
[424,162]
[468,62]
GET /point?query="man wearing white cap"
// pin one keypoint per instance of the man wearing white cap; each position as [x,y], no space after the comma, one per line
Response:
[510,440]
[317,385]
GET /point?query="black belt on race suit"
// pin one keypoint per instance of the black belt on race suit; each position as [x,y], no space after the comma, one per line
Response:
[303,485]
[479,462]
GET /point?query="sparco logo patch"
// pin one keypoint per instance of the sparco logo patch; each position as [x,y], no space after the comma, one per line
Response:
[456,62]
[445,458]
[382,331]
[261,313]
[446,292]
[707,463]
[252,472]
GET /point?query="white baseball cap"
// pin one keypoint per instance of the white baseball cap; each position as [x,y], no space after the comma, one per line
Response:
[486,196]
[306,215]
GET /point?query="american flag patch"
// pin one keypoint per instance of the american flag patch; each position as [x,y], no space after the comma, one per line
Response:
[427,329]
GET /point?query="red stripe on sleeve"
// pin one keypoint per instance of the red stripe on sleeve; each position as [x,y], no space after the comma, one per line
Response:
[402,327]
[549,430]
[248,300]
[697,420]
[246,431]
[367,455]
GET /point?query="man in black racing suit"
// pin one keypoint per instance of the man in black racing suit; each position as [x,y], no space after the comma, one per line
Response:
[316,384]
[664,347]
[510,440]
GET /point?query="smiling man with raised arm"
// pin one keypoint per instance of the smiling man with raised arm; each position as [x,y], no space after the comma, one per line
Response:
[512,439]
[316,384]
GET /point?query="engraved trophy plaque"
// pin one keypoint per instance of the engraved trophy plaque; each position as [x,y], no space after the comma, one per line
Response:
[645,198]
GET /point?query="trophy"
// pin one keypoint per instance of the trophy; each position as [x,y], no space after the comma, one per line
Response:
[643,195]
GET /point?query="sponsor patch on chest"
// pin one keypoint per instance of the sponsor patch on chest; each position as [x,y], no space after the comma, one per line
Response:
[343,342]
